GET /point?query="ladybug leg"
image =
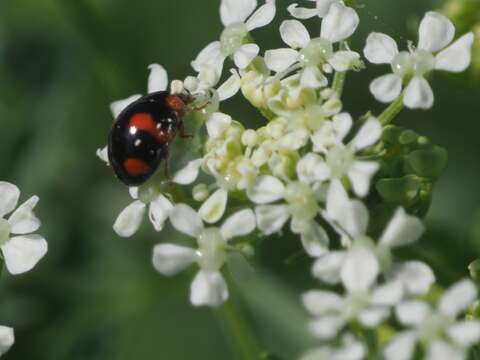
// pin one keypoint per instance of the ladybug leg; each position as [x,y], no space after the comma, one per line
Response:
[183,135]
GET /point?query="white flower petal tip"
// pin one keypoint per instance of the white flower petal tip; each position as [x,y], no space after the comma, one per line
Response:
[271,218]
[412,313]
[7,339]
[436,31]
[266,189]
[23,220]
[217,123]
[327,327]
[170,259]
[418,94]
[416,277]
[241,223]
[189,173]
[9,195]
[301,13]
[327,267]
[102,154]
[263,16]
[279,60]
[403,229]
[465,333]
[457,298]
[245,55]
[158,79]
[315,240]
[234,11]
[130,219]
[294,34]
[22,253]
[457,57]
[118,106]
[368,135]
[380,49]
[319,302]
[186,220]
[209,57]
[230,87]
[360,269]
[360,175]
[208,289]
[214,207]
[340,23]
[401,347]
[386,88]
[159,210]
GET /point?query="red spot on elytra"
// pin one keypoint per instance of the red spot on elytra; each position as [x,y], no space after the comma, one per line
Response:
[145,122]
[176,104]
[136,167]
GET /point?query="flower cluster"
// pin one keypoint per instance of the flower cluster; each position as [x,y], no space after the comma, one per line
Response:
[308,170]
[20,249]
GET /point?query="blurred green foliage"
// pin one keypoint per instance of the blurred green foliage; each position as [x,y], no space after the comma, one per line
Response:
[96,296]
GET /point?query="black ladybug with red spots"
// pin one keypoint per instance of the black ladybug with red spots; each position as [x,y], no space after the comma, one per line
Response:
[141,135]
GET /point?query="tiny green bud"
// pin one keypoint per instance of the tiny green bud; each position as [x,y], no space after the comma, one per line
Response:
[200,192]
[474,269]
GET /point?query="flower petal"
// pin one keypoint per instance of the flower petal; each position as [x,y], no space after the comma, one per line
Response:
[130,219]
[337,198]
[371,318]
[315,240]
[102,154]
[245,54]
[380,48]
[465,333]
[9,195]
[22,253]
[280,60]
[457,57]
[457,298]
[189,173]
[419,94]
[213,208]
[208,289]
[386,88]
[368,135]
[354,218]
[319,302]
[360,175]
[415,276]
[271,218]
[344,60]
[340,23]
[23,220]
[313,78]
[263,16]
[323,7]
[209,57]
[159,211]
[402,229]
[217,123]
[118,106]
[360,269]
[401,346]
[266,189]
[241,223]
[327,267]
[327,327]
[436,31]
[294,34]
[186,220]
[412,313]
[388,294]
[170,259]
[158,79]
[7,338]
[301,12]
[234,11]
[440,350]
[230,87]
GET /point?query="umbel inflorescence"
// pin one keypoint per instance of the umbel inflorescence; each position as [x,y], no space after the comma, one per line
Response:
[313,169]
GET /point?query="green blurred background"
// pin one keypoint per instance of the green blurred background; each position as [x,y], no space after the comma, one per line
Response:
[96,296]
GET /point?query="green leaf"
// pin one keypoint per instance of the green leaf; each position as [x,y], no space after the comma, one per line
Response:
[402,191]
[429,163]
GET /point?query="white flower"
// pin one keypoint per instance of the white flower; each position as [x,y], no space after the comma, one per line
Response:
[437,330]
[159,206]
[358,266]
[350,349]
[341,159]
[368,307]
[312,55]
[433,53]
[7,339]
[299,205]
[239,19]
[208,287]
[24,250]
[323,6]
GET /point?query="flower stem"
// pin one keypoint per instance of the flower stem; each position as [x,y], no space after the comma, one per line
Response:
[237,331]
[339,82]
[392,111]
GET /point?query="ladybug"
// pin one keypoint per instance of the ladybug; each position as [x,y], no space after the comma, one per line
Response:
[142,133]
